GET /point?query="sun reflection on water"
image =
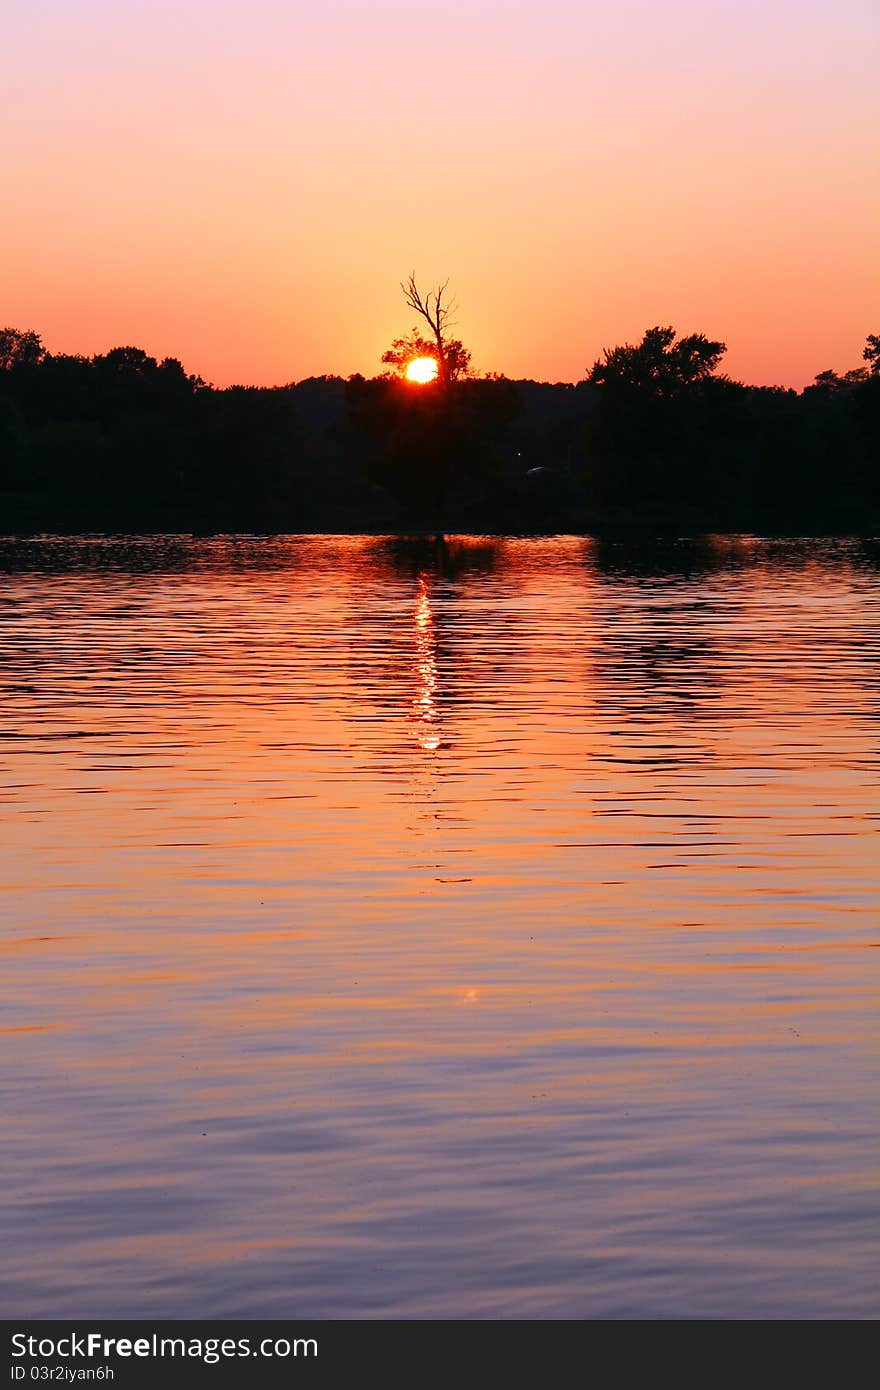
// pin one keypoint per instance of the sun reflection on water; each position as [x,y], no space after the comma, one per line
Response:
[425,709]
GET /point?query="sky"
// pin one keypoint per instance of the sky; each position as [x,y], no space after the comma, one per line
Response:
[244,185]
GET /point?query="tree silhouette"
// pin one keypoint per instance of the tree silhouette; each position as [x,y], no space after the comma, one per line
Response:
[453,360]
[19,349]
[658,365]
[658,407]
[832,381]
[403,351]
[871,353]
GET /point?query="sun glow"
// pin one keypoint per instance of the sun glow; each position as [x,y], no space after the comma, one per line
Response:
[421,369]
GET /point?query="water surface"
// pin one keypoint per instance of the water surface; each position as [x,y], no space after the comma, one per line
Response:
[401,930]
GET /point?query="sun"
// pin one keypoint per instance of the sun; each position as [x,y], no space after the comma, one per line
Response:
[421,370]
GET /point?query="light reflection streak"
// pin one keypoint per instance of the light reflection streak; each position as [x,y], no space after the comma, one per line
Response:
[425,710]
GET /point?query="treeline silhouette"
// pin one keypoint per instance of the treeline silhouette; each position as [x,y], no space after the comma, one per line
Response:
[653,436]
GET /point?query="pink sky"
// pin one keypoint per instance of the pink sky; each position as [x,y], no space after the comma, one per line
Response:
[243,185]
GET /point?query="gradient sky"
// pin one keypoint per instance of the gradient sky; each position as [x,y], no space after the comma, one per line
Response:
[243,185]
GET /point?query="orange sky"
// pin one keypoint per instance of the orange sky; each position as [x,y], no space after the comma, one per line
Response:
[243,186]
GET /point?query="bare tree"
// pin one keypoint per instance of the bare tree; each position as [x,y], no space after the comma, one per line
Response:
[437,312]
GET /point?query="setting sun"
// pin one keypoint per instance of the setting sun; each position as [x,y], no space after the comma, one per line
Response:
[421,369]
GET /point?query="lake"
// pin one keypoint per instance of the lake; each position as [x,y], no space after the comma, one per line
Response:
[397,929]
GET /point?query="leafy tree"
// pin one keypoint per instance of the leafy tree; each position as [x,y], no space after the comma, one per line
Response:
[403,350]
[659,408]
[19,349]
[127,361]
[660,364]
[831,381]
[871,353]
[132,365]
